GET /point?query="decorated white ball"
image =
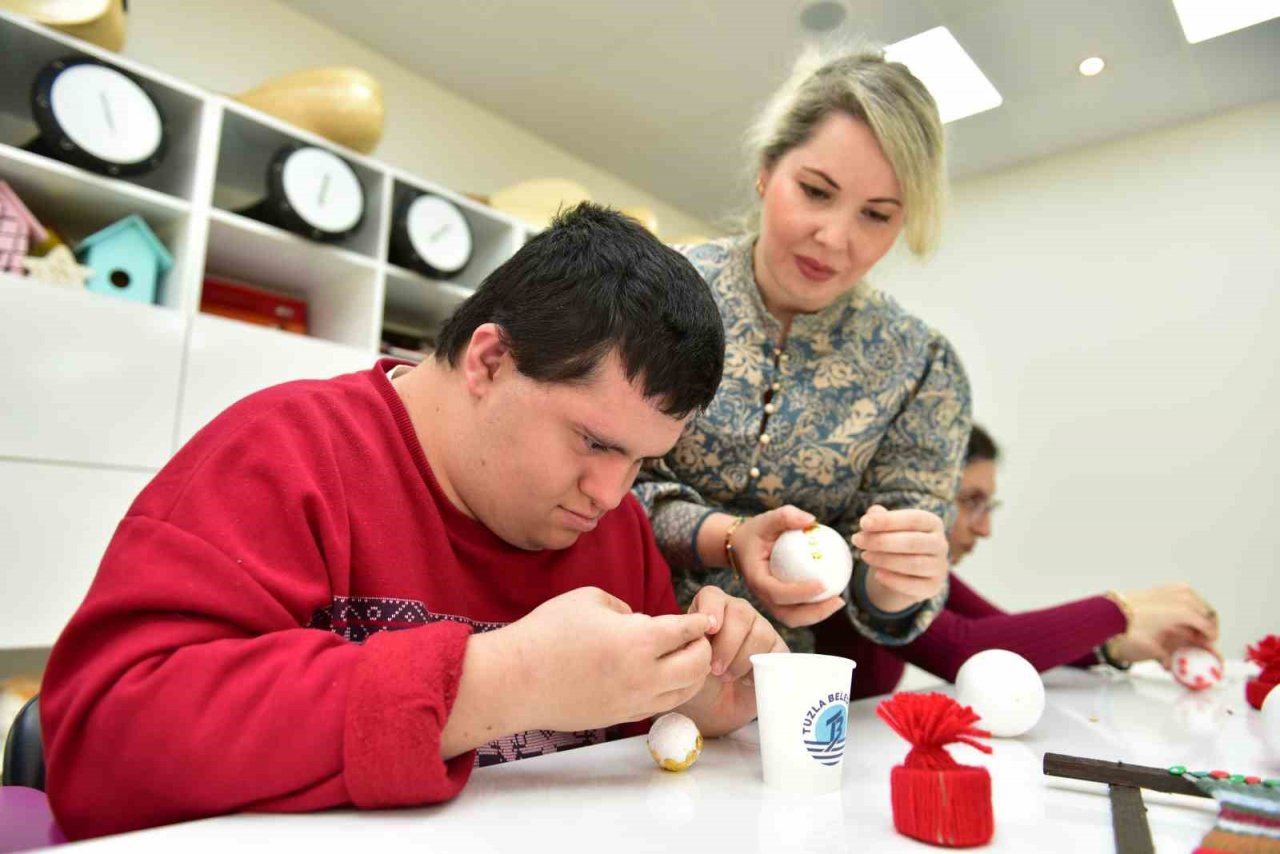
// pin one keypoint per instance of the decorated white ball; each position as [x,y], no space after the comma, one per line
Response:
[814,553]
[1196,668]
[1271,721]
[1003,689]
[674,742]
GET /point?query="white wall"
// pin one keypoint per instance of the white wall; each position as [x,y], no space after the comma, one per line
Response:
[1118,310]
[233,45]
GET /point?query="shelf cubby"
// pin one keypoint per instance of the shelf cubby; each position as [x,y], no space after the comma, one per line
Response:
[425,302]
[77,203]
[26,48]
[248,142]
[338,285]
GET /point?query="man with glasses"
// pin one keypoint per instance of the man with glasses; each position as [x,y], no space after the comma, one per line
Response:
[1113,628]
[975,499]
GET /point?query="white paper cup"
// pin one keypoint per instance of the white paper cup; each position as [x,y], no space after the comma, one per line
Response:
[803,704]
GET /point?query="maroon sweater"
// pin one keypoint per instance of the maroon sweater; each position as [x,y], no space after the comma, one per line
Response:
[1050,637]
[233,652]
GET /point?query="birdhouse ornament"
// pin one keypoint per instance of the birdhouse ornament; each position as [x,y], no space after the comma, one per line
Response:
[19,230]
[128,260]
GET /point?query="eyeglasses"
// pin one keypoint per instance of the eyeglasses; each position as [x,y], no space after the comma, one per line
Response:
[978,507]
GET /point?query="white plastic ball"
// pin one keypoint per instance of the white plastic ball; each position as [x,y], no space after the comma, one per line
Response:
[674,742]
[1271,721]
[814,553]
[1196,668]
[1004,690]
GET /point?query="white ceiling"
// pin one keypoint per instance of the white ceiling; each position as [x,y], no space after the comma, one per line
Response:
[659,91]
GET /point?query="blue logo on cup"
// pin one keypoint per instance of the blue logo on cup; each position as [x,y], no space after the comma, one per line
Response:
[824,728]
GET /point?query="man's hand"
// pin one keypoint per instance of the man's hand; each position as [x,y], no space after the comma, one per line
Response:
[906,553]
[579,661]
[589,662]
[727,699]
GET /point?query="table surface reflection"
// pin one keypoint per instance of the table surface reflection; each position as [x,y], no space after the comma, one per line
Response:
[612,797]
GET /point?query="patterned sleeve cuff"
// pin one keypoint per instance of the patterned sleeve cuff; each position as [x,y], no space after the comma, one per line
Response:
[697,563]
[886,628]
[864,600]
[675,527]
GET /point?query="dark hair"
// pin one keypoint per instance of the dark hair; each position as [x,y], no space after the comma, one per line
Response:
[981,447]
[597,282]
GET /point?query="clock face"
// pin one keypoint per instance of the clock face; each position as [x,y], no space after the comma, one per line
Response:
[323,190]
[105,113]
[439,233]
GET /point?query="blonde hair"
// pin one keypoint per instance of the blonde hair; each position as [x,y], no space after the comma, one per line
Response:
[890,100]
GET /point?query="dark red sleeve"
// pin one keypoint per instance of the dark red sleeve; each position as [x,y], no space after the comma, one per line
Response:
[1049,637]
[182,689]
[659,594]
[966,602]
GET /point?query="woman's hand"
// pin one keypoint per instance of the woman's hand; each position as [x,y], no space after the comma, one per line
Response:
[906,553]
[1164,619]
[787,601]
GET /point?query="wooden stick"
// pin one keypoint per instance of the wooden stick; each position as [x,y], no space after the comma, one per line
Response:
[1119,773]
[1129,821]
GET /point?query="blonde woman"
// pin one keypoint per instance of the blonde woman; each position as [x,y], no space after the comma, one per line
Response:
[836,404]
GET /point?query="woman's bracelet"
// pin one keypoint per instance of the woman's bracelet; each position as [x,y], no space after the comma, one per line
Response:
[1107,657]
[729,552]
[1105,653]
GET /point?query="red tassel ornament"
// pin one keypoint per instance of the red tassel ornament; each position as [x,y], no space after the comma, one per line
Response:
[1267,656]
[936,799]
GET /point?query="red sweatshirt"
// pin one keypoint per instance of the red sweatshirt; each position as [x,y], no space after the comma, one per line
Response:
[234,651]
[1050,637]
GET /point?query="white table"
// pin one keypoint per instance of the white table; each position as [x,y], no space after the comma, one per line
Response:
[611,799]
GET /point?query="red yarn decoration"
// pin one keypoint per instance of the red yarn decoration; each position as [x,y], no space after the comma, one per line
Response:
[1266,654]
[936,799]
[931,722]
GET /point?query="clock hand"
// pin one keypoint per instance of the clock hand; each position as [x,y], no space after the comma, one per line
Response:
[324,189]
[106,110]
[439,232]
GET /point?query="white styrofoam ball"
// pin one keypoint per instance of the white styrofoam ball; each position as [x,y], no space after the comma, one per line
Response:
[674,741]
[1271,721]
[1004,689]
[816,552]
[1196,668]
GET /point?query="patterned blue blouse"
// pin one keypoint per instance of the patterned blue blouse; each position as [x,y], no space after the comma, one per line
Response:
[869,406]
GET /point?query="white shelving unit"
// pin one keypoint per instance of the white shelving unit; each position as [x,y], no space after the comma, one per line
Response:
[100,392]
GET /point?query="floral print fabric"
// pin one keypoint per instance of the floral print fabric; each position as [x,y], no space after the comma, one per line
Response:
[869,405]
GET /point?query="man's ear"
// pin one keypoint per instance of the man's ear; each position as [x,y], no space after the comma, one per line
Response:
[485,359]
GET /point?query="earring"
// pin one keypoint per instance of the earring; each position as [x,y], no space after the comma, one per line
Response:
[759,186]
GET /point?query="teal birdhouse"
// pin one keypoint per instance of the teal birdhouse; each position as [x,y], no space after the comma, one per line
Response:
[128,260]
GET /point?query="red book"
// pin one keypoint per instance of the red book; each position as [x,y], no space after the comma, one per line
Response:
[251,304]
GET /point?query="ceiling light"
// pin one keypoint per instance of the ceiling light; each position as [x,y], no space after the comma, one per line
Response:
[1091,66]
[1206,19]
[954,80]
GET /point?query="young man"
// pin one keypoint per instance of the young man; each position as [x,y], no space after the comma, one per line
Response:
[235,652]
[1112,628]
